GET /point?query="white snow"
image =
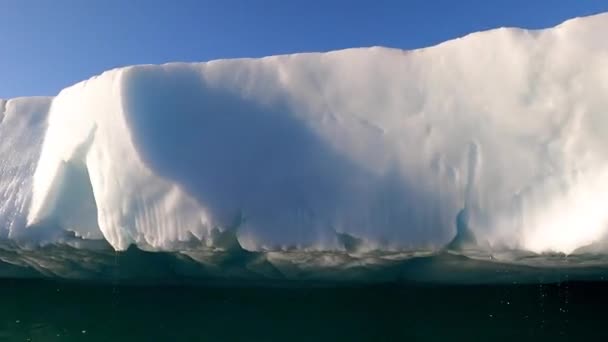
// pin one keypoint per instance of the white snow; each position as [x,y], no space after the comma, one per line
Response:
[384,144]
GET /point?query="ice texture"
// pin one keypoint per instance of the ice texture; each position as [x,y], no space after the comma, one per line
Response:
[22,127]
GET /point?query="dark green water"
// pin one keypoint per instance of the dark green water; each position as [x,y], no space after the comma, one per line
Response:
[63,293]
[49,310]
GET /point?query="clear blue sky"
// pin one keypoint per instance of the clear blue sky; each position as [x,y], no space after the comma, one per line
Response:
[50,44]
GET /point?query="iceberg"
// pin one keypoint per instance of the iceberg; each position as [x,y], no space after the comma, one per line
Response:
[504,129]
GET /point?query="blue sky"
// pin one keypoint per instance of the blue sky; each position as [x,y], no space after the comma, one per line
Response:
[50,44]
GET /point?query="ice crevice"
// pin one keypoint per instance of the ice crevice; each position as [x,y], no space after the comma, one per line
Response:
[2,110]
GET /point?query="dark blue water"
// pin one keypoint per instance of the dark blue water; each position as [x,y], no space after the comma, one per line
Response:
[46,310]
[63,293]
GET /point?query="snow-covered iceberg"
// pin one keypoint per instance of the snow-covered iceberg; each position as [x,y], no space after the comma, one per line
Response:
[504,129]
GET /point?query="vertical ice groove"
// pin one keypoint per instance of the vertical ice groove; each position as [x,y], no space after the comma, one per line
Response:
[2,110]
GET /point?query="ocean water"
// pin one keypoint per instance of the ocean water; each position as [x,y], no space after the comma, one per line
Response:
[48,310]
[63,292]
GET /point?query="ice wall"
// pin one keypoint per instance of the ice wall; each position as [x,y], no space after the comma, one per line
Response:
[506,127]
[22,127]
[88,131]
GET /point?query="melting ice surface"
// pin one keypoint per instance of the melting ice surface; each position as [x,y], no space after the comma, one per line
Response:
[495,142]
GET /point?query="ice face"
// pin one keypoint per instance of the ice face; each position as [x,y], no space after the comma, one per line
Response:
[22,127]
[505,126]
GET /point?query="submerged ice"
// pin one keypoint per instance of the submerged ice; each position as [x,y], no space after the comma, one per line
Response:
[501,132]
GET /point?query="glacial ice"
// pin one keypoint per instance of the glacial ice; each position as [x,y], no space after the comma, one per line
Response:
[22,128]
[504,129]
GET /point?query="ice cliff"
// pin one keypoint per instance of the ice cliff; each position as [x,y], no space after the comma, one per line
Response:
[504,129]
